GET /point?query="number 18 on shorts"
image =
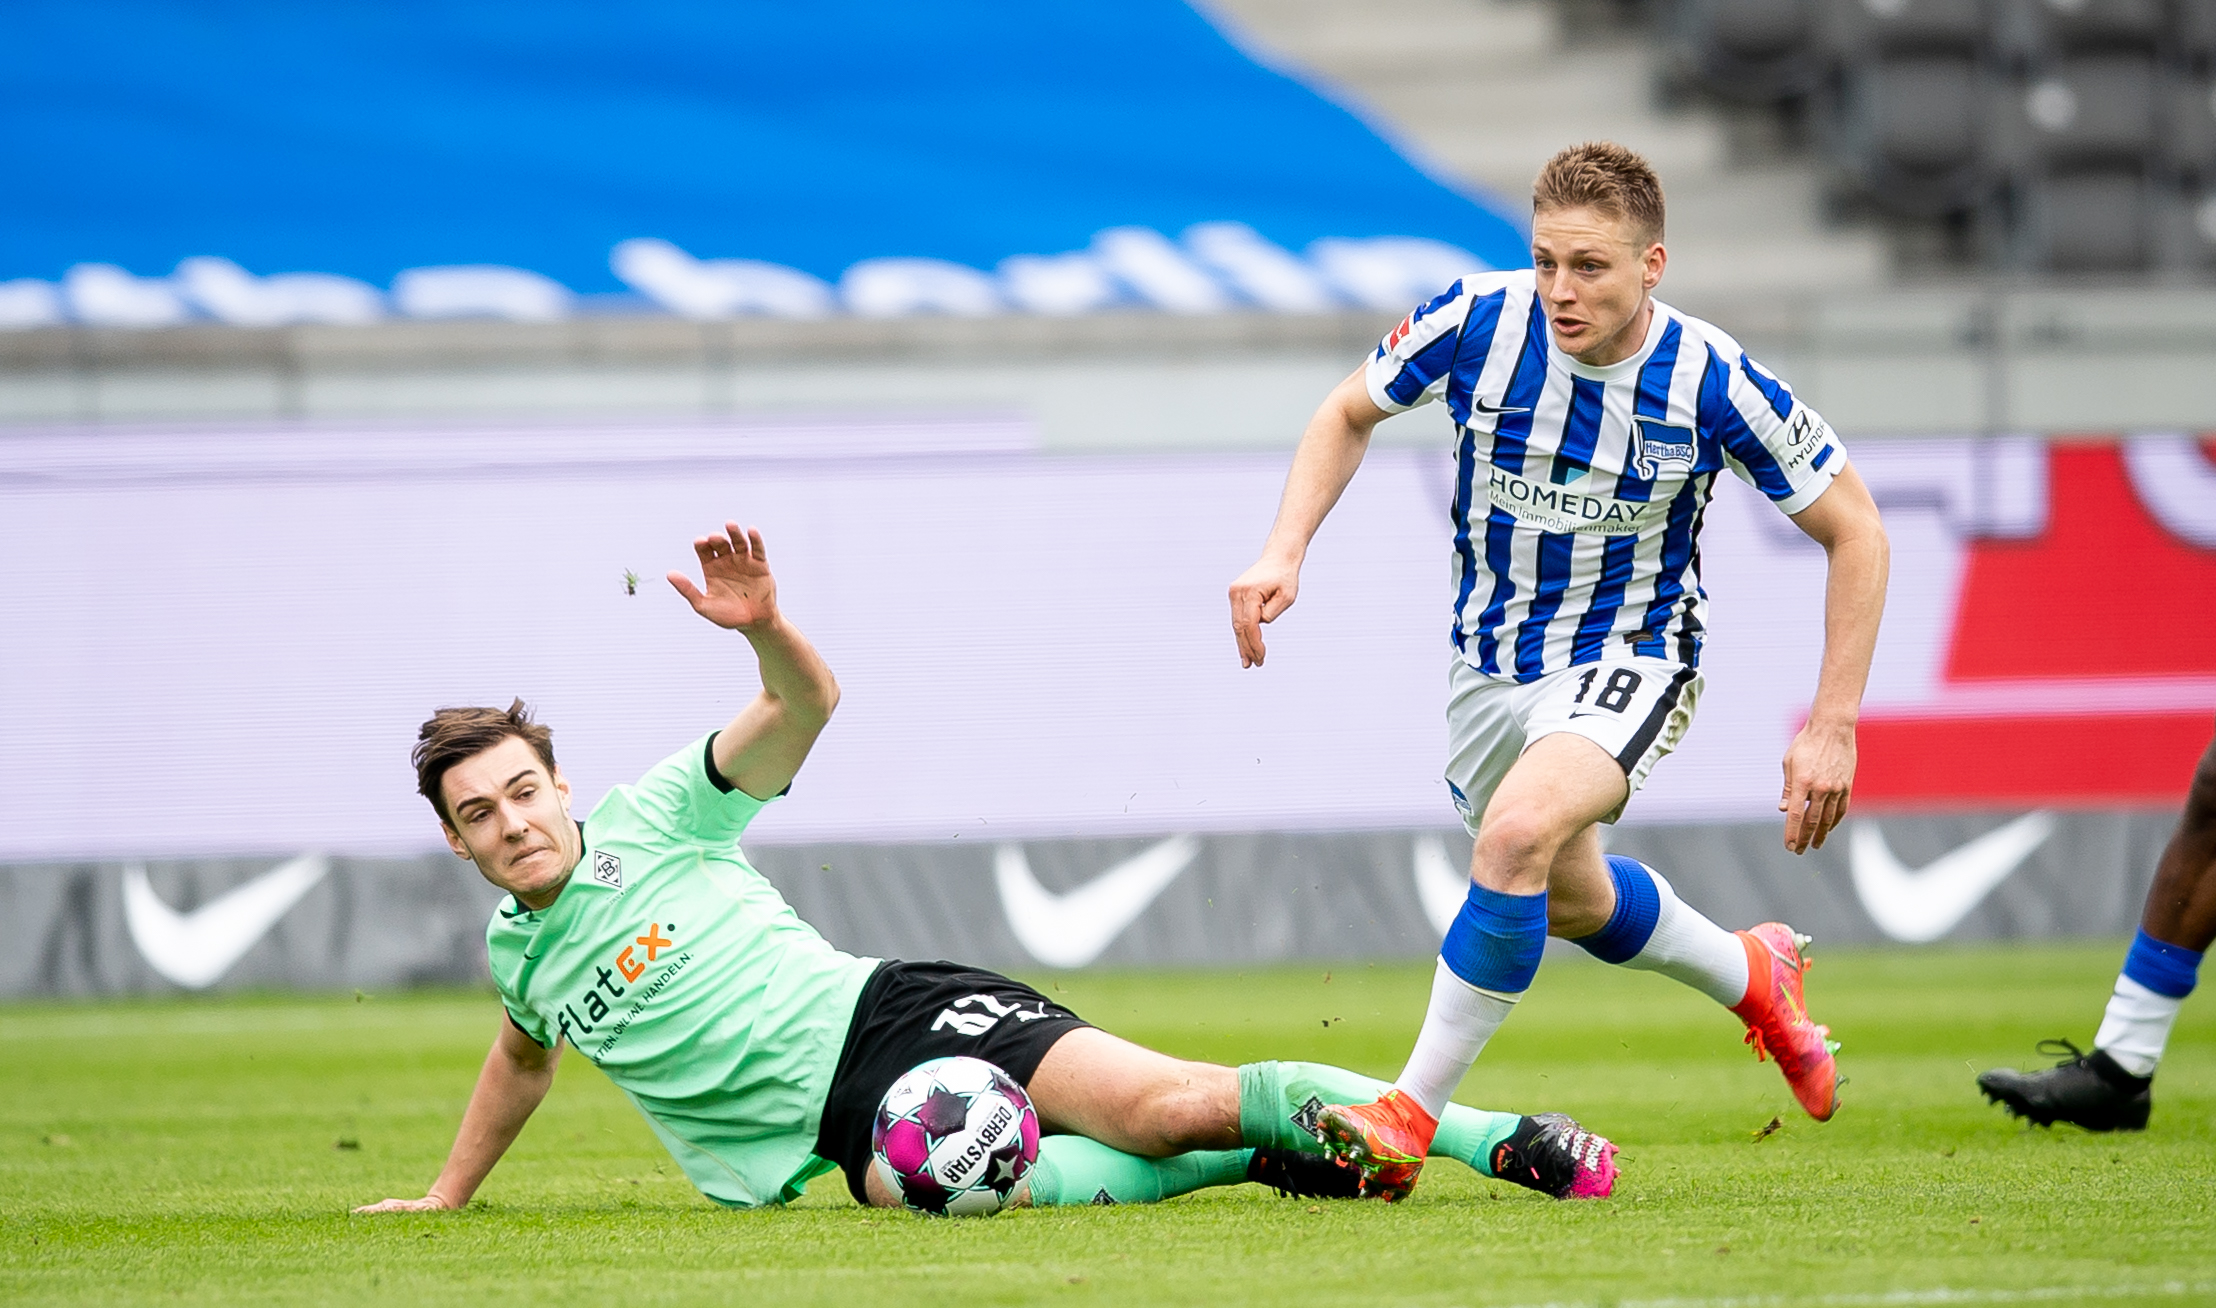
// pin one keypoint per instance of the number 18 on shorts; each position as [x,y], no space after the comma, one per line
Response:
[1635,709]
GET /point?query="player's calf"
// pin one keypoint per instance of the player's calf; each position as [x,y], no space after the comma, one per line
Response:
[1133,1099]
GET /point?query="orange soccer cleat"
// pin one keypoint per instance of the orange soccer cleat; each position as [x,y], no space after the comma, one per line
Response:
[1387,1140]
[1777,1019]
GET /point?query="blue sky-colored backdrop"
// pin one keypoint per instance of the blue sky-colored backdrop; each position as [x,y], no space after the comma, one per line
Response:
[363,138]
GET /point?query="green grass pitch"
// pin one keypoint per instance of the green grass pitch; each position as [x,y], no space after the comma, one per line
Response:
[206,1151]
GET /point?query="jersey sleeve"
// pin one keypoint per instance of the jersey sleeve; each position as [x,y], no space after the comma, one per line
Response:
[1412,364]
[506,945]
[532,1028]
[685,798]
[1774,441]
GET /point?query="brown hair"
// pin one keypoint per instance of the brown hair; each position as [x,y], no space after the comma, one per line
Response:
[454,734]
[1607,178]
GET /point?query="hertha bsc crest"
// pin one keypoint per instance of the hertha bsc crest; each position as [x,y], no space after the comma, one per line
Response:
[1655,446]
[607,869]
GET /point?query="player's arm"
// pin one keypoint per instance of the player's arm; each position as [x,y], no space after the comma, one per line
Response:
[1819,766]
[515,1079]
[1330,451]
[763,747]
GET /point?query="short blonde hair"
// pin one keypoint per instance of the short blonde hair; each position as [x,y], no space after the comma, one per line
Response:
[1606,178]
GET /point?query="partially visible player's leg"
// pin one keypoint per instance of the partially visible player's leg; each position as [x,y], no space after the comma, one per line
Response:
[2175,929]
[1281,1105]
[1755,973]
[1129,1122]
[1163,1124]
[1133,1099]
[1558,786]
[1072,1169]
[2112,1087]
[1622,911]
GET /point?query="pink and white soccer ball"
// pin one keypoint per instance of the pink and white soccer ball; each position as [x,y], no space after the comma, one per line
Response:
[955,1137]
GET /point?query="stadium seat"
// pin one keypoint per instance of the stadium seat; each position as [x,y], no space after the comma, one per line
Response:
[2201,213]
[2189,127]
[1858,30]
[1758,51]
[2093,221]
[2186,228]
[2029,33]
[1907,130]
[2096,109]
[2193,34]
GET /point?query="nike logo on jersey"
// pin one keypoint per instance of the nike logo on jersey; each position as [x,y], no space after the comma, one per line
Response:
[1916,907]
[1071,930]
[1481,406]
[195,949]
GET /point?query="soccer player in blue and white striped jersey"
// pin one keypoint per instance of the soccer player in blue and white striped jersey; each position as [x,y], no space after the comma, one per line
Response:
[1592,421]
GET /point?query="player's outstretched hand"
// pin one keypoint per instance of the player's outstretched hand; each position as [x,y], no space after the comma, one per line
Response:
[1819,779]
[1258,596]
[429,1203]
[740,594]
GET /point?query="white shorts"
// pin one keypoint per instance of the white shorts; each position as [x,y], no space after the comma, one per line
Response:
[1635,708]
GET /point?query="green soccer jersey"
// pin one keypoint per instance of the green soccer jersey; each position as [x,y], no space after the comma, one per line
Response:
[683,974]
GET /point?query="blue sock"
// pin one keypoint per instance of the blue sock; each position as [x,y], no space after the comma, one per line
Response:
[1638,907]
[2170,970]
[1496,940]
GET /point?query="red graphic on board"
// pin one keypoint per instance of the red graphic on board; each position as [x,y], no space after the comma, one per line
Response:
[2079,665]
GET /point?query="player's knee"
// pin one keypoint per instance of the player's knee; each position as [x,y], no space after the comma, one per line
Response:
[879,1194]
[1518,844]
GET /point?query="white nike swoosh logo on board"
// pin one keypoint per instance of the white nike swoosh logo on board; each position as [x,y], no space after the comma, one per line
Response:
[1071,930]
[1440,887]
[1917,907]
[195,949]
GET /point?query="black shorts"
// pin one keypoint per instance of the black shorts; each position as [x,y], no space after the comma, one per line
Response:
[911,1012]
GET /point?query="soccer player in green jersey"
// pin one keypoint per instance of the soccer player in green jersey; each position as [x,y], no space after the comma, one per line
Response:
[757,1052]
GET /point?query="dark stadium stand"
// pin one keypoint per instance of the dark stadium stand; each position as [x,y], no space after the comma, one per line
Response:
[1754,50]
[2054,135]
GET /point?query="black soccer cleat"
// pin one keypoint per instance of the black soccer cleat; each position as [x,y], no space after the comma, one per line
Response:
[1552,1154]
[1295,1174]
[2087,1090]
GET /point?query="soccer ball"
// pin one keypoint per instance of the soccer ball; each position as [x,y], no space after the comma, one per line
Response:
[955,1137]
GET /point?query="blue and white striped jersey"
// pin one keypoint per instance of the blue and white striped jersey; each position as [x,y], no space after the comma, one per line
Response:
[1579,491]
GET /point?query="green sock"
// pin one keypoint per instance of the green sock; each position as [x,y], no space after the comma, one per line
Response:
[1073,1169]
[1275,1099]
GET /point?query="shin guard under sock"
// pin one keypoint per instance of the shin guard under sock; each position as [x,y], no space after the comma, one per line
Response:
[2157,977]
[1074,1169]
[1487,961]
[1278,1103]
[1652,930]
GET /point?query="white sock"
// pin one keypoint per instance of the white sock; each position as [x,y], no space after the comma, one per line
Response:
[1455,1028]
[1688,947]
[2136,1026]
